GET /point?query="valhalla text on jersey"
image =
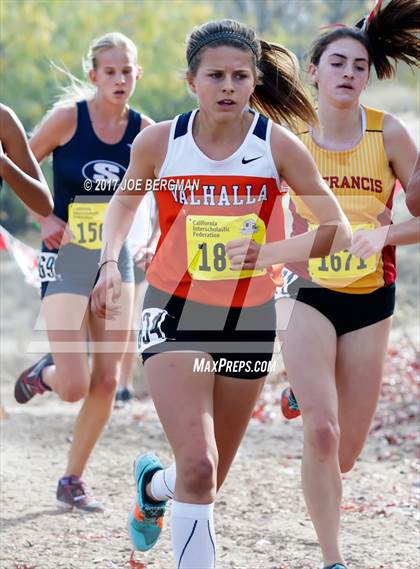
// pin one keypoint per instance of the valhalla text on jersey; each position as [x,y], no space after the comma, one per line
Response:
[220,195]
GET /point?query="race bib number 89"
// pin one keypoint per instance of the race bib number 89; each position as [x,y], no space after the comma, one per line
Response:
[86,222]
[342,265]
[207,237]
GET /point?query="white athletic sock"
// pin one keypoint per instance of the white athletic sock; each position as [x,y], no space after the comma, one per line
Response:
[193,539]
[163,483]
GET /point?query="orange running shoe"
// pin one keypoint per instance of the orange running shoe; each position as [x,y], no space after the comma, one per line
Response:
[289,405]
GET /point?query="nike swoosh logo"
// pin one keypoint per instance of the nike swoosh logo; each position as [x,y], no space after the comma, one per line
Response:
[245,161]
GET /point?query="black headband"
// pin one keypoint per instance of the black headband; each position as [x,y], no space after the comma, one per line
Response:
[221,36]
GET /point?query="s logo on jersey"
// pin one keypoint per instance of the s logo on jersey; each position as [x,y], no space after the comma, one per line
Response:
[103,170]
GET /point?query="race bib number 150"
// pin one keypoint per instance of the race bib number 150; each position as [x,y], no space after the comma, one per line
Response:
[86,222]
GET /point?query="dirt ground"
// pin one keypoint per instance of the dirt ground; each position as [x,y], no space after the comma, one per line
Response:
[261,520]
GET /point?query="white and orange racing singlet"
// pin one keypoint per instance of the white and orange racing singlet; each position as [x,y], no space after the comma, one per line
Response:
[364,184]
[203,204]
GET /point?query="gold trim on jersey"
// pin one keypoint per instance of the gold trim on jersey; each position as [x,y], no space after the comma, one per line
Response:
[363,182]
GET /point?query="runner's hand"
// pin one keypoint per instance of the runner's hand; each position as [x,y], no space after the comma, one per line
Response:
[143,257]
[368,243]
[55,232]
[244,254]
[105,297]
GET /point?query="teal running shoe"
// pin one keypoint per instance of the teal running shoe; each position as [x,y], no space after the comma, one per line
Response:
[145,521]
[336,566]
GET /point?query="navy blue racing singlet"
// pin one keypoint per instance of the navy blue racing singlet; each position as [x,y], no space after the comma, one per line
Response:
[86,166]
[87,172]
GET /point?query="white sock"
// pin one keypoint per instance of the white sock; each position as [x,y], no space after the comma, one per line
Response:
[193,539]
[163,483]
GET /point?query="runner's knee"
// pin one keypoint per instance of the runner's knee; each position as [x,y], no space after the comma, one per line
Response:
[72,381]
[196,471]
[104,383]
[323,434]
[73,391]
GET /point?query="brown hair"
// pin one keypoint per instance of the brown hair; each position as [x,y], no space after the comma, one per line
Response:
[280,93]
[389,33]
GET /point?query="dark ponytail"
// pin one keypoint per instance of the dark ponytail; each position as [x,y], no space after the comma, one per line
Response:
[389,34]
[279,93]
[393,34]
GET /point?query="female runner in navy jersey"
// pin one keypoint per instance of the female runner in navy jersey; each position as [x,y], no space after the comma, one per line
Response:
[90,142]
[18,167]
[208,320]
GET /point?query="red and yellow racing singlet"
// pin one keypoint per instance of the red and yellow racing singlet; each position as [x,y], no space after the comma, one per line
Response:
[364,183]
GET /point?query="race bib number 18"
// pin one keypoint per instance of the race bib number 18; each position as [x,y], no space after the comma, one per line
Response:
[207,237]
[86,222]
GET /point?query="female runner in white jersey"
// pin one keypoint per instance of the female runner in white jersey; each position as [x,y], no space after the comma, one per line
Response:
[223,163]
[341,306]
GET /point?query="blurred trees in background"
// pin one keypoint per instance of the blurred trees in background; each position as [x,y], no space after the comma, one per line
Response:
[34,33]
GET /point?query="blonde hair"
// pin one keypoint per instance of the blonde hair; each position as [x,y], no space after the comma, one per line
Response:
[108,41]
[79,90]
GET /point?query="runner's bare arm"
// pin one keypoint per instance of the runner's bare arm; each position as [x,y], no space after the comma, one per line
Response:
[296,166]
[401,152]
[413,190]
[56,129]
[18,166]
[144,166]
[147,153]
[367,243]
[400,149]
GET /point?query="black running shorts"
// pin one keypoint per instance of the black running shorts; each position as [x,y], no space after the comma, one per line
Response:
[346,312]
[240,340]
